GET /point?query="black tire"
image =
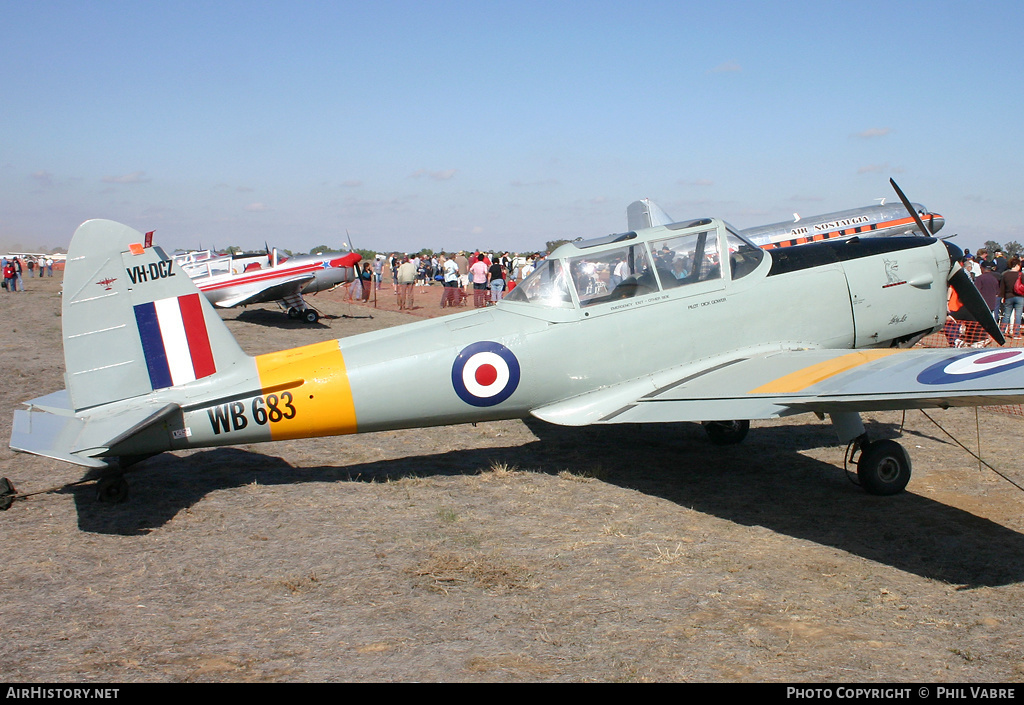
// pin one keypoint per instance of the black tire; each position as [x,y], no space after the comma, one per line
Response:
[726,433]
[112,489]
[7,493]
[883,468]
[294,313]
[310,316]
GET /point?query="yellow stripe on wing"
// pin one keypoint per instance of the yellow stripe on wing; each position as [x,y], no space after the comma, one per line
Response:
[801,379]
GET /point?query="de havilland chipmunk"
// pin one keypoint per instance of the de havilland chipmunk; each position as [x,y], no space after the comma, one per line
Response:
[685,322]
[870,221]
[240,280]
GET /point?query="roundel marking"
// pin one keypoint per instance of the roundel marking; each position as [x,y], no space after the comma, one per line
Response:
[485,374]
[973,365]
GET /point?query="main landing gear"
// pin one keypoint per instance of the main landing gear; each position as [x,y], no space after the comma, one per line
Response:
[726,433]
[883,466]
[309,315]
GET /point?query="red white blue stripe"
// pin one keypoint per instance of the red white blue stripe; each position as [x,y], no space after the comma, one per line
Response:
[175,340]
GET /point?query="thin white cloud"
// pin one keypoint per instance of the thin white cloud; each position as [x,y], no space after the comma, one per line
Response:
[879,169]
[872,133]
[433,175]
[805,199]
[136,177]
[352,183]
[43,178]
[727,67]
[695,182]
[532,184]
[257,208]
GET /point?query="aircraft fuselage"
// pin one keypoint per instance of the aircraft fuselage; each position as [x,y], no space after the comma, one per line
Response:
[536,351]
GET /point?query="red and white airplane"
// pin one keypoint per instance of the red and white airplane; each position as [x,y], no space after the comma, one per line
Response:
[239,280]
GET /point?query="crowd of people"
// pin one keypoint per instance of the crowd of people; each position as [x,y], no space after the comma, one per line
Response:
[998,279]
[484,277]
[14,269]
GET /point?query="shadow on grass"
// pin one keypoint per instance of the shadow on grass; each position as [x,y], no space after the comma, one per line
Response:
[763,482]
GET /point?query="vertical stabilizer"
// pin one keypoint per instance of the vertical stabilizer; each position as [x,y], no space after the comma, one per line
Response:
[646,214]
[133,321]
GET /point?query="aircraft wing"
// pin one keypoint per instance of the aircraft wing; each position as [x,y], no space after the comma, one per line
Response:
[274,290]
[768,384]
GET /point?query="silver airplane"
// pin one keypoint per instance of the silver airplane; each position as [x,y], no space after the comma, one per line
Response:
[240,280]
[869,221]
[685,322]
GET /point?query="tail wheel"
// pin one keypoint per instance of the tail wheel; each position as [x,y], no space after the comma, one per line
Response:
[112,489]
[883,468]
[726,433]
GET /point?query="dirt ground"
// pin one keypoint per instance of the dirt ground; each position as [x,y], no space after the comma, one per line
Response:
[507,551]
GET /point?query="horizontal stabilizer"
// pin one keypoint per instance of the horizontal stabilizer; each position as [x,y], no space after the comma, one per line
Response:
[82,439]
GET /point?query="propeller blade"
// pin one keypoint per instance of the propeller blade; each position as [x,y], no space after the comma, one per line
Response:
[972,300]
[969,295]
[910,209]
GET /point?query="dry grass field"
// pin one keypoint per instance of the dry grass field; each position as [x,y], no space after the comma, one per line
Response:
[507,551]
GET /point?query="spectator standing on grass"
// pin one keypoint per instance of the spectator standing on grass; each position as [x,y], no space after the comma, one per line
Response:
[1001,262]
[406,284]
[9,276]
[988,285]
[1013,302]
[972,267]
[478,273]
[463,262]
[450,272]
[366,277]
[496,280]
[355,287]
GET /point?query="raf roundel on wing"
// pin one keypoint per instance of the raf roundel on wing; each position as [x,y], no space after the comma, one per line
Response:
[485,374]
[971,366]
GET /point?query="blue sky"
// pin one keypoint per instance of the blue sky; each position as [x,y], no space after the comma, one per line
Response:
[499,125]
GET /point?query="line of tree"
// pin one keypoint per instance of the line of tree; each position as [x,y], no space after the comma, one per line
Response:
[1010,249]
